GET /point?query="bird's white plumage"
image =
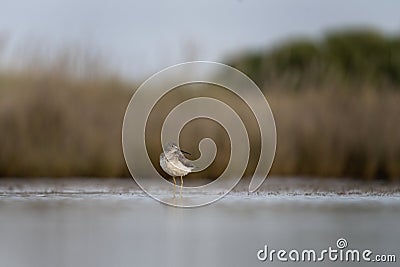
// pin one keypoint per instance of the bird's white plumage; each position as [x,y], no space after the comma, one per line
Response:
[173,162]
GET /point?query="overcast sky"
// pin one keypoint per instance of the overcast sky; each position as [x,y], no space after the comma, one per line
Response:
[142,37]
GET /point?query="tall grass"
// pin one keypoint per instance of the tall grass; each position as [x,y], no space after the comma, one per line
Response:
[337,133]
[56,123]
[53,124]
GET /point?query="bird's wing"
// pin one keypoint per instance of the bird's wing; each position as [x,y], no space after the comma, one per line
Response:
[187,163]
[182,163]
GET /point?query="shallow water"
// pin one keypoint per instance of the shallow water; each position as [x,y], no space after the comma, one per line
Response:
[99,228]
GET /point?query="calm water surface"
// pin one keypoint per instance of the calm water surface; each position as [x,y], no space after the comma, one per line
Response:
[131,229]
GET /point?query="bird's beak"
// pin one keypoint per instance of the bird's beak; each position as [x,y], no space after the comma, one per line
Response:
[185,152]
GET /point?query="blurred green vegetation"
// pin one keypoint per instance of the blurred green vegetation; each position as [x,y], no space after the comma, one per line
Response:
[351,58]
[336,102]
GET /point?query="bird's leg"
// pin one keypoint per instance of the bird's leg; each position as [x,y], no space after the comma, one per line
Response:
[173,177]
[180,192]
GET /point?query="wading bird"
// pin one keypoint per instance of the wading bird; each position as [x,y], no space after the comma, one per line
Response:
[173,162]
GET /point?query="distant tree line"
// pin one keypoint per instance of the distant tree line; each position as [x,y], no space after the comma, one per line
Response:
[351,57]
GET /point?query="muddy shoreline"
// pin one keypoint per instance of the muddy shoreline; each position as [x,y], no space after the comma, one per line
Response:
[272,186]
